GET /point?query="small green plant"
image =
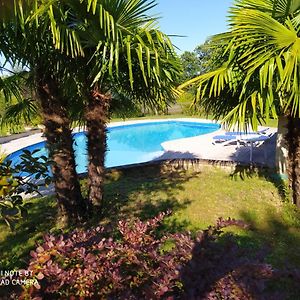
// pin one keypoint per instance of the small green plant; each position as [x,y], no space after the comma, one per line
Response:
[19,180]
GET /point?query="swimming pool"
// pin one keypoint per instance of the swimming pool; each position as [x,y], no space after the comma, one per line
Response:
[130,144]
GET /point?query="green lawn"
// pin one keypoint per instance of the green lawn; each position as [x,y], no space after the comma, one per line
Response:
[197,200]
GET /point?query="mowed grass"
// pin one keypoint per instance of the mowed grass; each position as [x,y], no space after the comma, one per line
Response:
[196,199]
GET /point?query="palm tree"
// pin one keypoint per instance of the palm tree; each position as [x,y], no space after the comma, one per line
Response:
[260,74]
[89,49]
[124,52]
[26,42]
[20,105]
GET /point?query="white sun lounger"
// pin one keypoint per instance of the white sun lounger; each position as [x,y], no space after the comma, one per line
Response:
[239,136]
[262,131]
[254,139]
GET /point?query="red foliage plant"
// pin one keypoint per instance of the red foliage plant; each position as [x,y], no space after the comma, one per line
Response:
[138,265]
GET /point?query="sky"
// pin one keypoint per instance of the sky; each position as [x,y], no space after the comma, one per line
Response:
[194,19]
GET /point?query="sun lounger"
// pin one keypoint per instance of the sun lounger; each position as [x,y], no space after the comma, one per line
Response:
[236,136]
[225,139]
[263,131]
[253,139]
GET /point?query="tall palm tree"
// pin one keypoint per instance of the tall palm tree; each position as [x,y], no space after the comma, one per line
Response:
[260,79]
[26,42]
[123,51]
[90,49]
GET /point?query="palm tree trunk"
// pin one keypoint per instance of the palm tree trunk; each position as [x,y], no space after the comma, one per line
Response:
[293,140]
[282,147]
[60,145]
[96,119]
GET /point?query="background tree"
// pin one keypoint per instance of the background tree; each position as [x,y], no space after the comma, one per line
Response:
[191,65]
[202,59]
[259,77]
[210,55]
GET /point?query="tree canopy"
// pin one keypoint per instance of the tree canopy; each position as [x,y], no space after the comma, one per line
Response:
[81,54]
[259,76]
[202,59]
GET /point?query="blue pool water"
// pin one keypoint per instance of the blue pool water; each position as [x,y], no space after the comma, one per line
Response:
[130,144]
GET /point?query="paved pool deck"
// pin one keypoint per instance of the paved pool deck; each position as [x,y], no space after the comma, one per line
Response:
[199,147]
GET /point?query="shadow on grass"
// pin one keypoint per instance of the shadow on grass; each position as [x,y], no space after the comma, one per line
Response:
[17,244]
[268,174]
[281,234]
[143,193]
[281,237]
[118,204]
[276,244]
[263,263]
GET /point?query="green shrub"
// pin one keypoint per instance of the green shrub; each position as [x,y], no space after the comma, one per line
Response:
[19,180]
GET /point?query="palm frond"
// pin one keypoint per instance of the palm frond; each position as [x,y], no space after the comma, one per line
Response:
[12,86]
[261,77]
[23,111]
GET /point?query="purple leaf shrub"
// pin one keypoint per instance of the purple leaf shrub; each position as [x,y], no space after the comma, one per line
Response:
[139,265]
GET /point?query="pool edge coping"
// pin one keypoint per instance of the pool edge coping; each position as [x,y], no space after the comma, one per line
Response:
[17,144]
